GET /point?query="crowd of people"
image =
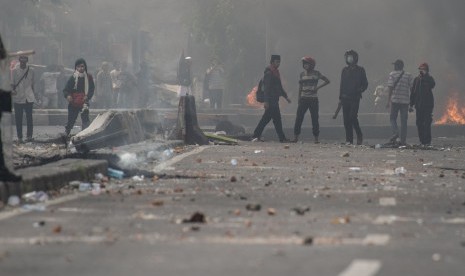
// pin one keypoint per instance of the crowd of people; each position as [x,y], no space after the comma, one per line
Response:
[406,94]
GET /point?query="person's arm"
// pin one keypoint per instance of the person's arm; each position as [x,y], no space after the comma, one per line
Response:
[390,85]
[68,88]
[267,84]
[413,92]
[91,91]
[341,85]
[325,82]
[364,83]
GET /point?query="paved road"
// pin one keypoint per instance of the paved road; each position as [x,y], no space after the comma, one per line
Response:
[323,210]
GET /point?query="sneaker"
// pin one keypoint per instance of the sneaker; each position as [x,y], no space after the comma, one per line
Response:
[348,143]
[6,175]
[393,138]
[257,140]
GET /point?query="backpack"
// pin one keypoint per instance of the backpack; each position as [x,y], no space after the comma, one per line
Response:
[260,95]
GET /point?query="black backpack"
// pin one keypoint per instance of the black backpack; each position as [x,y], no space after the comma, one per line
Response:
[260,95]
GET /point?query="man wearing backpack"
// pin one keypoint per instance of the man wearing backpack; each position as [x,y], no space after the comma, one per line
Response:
[399,85]
[273,89]
[308,97]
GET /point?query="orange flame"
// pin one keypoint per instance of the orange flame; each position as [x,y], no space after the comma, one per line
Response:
[252,99]
[454,114]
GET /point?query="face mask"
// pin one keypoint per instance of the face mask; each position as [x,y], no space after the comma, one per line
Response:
[350,59]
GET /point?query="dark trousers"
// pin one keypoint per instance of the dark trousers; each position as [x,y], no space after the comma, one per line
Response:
[424,121]
[73,113]
[19,109]
[397,108]
[2,159]
[304,105]
[216,97]
[350,114]
[272,112]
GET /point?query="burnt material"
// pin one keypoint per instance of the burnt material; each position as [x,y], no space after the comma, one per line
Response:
[187,126]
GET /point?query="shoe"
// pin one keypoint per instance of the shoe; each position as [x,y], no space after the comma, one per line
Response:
[19,141]
[359,140]
[393,138]
[7,176]
[284,140]
[296,139]
[257,140]
[348,143]
[29,139]
[315,140]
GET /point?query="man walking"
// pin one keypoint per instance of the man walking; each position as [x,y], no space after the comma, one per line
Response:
[423,100]
[399,85]
[22,85]
[308,97]
[79,91]
[273,90]
[353,83]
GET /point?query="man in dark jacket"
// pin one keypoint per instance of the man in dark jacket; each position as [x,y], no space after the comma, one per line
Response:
[423,100]
[79,91]
[353,83]
[273,90]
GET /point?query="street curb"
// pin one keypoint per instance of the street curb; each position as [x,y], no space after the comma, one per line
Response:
[56,175]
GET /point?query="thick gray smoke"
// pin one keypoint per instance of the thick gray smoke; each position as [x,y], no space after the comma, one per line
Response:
[380,30]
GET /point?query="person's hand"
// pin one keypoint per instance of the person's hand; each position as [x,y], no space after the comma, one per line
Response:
[410,109]
[69,98]
[288,100]
[266,105]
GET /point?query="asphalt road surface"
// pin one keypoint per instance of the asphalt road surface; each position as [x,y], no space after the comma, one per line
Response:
[256,209]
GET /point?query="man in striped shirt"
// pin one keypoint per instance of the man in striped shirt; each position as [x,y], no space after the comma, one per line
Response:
[399,85]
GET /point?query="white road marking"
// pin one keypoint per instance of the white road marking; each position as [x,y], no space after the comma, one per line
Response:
[387,201]
[19,211]
[362,268]
[168,164]
[377,239]
[454,221]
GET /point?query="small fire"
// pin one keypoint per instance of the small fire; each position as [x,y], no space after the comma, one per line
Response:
[454,114]
[252,99]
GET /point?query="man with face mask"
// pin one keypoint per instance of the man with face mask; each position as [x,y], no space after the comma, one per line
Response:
[423,100]
[353,83]
[79,91]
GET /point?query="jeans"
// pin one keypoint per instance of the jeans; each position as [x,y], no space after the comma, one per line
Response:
[403,109]
[424,121]
[304,105]
[19,109]
[216,96]
[272,112]
[73,113]
[350,114]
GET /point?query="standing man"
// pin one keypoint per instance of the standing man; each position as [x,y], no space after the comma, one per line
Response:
[423,100]
[129,93]
[116,83]
[399,85]
[5,106]
[214,82]
[273,90]
[104,86]
[22,84]
[353,83]
[308,97]
[48,85]
[79,91]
